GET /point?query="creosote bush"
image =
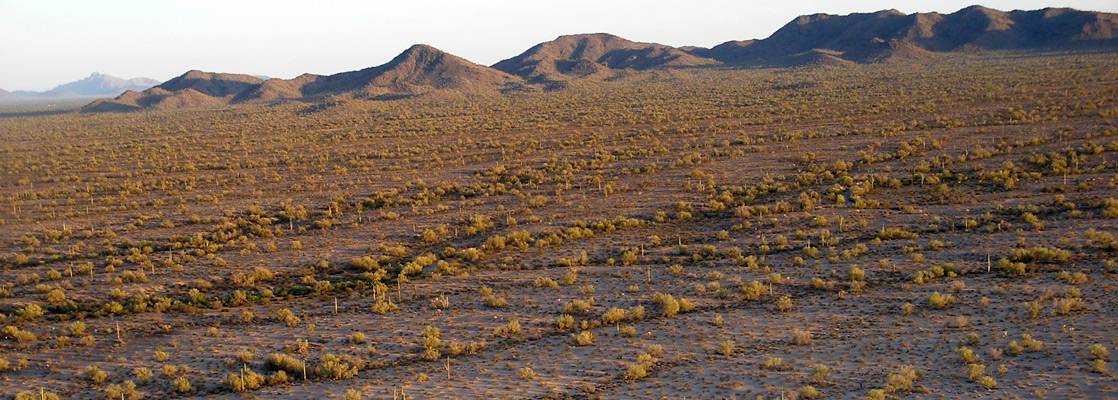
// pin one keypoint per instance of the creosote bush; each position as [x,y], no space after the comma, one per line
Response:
[583,338]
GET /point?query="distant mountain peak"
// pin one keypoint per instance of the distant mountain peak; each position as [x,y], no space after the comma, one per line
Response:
[96,84]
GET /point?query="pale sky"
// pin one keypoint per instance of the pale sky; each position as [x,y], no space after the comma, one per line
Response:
[45,43]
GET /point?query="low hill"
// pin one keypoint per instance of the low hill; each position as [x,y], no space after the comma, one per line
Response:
[579,56]
[417,70]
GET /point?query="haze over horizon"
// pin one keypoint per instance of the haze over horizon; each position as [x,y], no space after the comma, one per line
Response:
[48,44]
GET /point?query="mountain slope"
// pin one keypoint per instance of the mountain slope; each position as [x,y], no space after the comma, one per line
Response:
[96,84]
[418,66]
[589,54]
[211,84]
[418,69]
[890,34]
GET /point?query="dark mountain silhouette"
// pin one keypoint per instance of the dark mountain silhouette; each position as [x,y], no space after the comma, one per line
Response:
[417,70]
[96,84]
[891,34]
[579,56]
[819,39]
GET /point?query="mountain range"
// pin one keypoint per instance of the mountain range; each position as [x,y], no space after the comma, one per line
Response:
[95,85]
[825,39]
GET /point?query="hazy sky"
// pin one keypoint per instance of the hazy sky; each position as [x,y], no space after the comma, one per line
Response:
[45,43]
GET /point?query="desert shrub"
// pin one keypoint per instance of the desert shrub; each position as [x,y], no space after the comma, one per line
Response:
[431,343]
[1013,348]
[181,385]
[583,338]
[356,338]
[613,316]
[1032,308]
[669,306]
[287,317]
[774,363]
[635,372]
[819,374]
[988,383]
[1010,268]
[975,372]
[142,374]
[726,348]
[492,301]
[126,390]
[856,274]
[526,373]
[565,322]
[1098,366]
[245,381]
[1077,278]
[512,328]
[283,362]
[940,301]
[902,381]
[42,395]
[1067,305]
[545,282]
[19,335]
[76,328]
[1110,208]
[333,367]
[1098,351]
[364,263]
[1038,254]
[966,355]
[278,378]
[384,307]
[895,233]
[800,337]
[636,312]
[808,392]
[784,304]
[685,305]
[752,291]
[94,375]
[1030,343]
[578,306]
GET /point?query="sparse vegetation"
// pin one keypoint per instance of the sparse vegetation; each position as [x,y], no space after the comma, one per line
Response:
[437,244]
